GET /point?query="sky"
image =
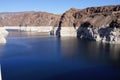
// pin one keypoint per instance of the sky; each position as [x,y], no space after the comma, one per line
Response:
[51,6]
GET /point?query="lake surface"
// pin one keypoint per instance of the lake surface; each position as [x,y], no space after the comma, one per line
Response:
[35,56]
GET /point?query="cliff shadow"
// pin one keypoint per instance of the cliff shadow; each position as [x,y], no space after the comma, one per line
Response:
[84,25]
[58,31]
[106,32]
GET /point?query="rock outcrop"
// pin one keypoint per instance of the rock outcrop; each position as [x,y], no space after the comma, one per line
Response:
[108,34]
[3,34]
[29,19]
[97,16]
[96,23]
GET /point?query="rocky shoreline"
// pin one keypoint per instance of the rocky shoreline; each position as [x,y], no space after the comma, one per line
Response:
[3,35]
[107,35]
[95,23]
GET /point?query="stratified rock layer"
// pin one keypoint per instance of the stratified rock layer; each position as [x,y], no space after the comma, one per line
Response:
[110,35]
[96,23]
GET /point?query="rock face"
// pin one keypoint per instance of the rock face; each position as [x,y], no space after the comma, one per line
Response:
[3,34]
[29,19]
[96,23]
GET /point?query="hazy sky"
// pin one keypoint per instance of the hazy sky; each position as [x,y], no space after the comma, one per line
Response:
[52,6]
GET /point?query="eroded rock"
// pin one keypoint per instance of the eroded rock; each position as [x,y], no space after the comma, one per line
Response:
[108,34]
[97,16]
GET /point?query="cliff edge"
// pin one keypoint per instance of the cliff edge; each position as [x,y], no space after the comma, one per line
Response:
[3,34]
[96,16]
[95,23]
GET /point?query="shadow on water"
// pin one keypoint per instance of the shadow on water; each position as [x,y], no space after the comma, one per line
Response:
[65,58]
[94,50]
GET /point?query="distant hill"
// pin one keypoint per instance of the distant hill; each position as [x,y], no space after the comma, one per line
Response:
[29,19]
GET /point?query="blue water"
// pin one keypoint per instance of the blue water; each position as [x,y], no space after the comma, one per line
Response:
[27,56]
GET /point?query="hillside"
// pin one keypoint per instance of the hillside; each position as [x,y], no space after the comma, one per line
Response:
[29,19]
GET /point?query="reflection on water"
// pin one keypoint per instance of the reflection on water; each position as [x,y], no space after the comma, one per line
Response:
[104,51]
[94,50]
[34,56]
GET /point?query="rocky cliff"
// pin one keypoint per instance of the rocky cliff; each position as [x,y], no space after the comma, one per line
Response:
[29,19]
[24,19]
[3,34]
[96,23]
[96,16]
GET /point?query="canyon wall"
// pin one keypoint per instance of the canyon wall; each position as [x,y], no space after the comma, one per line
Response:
[95,23]
[97,16]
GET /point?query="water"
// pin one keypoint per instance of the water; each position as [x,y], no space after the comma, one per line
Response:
[34,56]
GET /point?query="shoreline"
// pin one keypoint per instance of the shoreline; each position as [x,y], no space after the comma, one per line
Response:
[102,34]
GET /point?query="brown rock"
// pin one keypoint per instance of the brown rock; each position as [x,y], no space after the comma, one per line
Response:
[29,18]
[96,16]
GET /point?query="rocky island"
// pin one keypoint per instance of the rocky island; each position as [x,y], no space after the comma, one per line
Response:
[95,23]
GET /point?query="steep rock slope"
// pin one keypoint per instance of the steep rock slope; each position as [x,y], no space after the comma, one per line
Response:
[3,34]
[96,16]
[96,23]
